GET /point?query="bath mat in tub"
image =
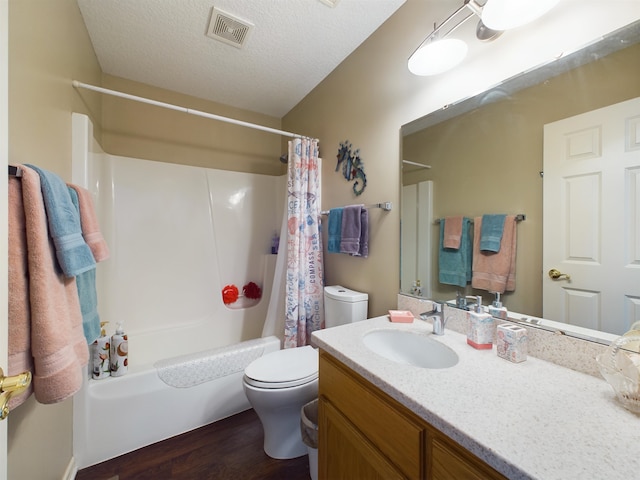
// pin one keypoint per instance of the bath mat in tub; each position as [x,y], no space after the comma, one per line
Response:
[196,368]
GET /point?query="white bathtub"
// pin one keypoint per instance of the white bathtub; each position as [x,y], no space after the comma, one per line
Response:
[121,414]
[177,235]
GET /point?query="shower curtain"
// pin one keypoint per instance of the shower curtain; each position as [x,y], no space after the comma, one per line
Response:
[304,303]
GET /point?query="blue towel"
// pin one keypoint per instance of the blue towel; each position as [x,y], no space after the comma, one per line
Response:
[491,232]
[455,264]
[86,285]
[73,254]
[351,229]
[334,230]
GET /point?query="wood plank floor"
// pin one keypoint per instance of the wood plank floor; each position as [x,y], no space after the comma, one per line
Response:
[228,449]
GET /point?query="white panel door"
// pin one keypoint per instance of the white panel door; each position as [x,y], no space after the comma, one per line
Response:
[592,218]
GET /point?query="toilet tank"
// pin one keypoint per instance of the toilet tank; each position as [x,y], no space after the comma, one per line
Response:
[342,305]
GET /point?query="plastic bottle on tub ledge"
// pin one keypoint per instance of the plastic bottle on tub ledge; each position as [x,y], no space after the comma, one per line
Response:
[119,352]
[101,365]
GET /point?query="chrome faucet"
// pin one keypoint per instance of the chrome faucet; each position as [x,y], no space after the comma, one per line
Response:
[437,316]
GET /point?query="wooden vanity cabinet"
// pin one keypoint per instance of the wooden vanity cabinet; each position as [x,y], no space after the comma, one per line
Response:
[366,434]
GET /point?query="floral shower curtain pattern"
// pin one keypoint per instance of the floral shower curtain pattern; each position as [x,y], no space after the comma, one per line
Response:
[304,278]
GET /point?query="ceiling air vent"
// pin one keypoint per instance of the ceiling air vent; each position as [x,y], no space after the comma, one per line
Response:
[228,29]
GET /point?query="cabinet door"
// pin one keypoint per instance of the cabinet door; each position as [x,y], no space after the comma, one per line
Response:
[387,425]
[351,455]
[450,462]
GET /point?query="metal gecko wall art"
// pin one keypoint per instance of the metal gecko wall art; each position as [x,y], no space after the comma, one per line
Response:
[352,166]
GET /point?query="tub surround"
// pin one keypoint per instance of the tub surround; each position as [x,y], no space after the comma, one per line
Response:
[534,419]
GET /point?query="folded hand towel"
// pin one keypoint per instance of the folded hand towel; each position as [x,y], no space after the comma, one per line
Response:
[452,232]
[73,254]
[334,230]
[495,272]
[351,229]
[491,234]
[89,224]
[86,284]
[58,346]
[363,250]
[455,265]
[18,313]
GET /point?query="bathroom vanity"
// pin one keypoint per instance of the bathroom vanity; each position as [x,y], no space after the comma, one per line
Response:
[484,417]
[368,434]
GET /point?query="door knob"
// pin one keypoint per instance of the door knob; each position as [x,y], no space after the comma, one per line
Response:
[14,384]
[555,274]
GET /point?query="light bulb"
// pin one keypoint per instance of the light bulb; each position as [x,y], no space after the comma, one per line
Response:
[437,56]
[506,14]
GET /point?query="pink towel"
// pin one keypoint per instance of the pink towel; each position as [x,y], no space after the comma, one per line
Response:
[495,272]
[19,330]
[58,346]
[452,232]
[89,223]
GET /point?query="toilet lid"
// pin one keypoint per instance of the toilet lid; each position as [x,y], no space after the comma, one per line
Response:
[284,368]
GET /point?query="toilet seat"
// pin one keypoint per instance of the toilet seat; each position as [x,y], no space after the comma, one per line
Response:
[283,369]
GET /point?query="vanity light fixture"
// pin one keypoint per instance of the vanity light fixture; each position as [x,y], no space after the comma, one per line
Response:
[439,52]
[506,14]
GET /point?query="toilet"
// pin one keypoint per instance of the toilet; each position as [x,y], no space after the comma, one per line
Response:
[280,383]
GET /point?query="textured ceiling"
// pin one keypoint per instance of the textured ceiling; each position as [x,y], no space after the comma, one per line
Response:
[292,47]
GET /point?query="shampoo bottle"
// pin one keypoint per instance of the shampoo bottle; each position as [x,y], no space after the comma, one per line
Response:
[100,354]
[119,352]
[497,310]
[481,327]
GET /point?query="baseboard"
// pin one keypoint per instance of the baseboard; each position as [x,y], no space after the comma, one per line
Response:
[70,472]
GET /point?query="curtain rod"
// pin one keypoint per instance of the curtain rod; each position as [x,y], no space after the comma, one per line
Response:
[190,111]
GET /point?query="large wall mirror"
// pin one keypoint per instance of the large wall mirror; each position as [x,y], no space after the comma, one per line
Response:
[485,155]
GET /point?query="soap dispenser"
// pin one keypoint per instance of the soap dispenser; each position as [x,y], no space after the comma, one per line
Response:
[100,355]
[497,310]
[119,352]
[481,330]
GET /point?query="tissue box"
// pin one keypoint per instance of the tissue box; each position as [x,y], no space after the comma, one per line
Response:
[511,343]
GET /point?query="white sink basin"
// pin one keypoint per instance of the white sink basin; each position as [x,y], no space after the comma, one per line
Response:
[410,348]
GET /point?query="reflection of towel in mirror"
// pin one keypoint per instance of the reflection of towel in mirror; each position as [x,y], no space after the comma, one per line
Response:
[495,272]
[334,230]
[351,229]
[491,233]
[454,265]
[452,232]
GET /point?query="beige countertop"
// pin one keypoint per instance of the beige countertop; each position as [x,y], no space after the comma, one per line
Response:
[527,420]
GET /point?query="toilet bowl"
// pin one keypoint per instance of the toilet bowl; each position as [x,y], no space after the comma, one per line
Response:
[277,386]
[280,383]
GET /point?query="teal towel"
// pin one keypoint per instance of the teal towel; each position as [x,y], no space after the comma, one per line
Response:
[86,286]
[334,230]
[73,254]
[491,232]
[454,265]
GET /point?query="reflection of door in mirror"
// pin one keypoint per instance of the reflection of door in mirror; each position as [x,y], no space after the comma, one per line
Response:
[591,227]
[415,246]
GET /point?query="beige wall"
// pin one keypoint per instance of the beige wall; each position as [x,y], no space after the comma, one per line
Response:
[488,160]
[371,94]
[48,47]
[145,131]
